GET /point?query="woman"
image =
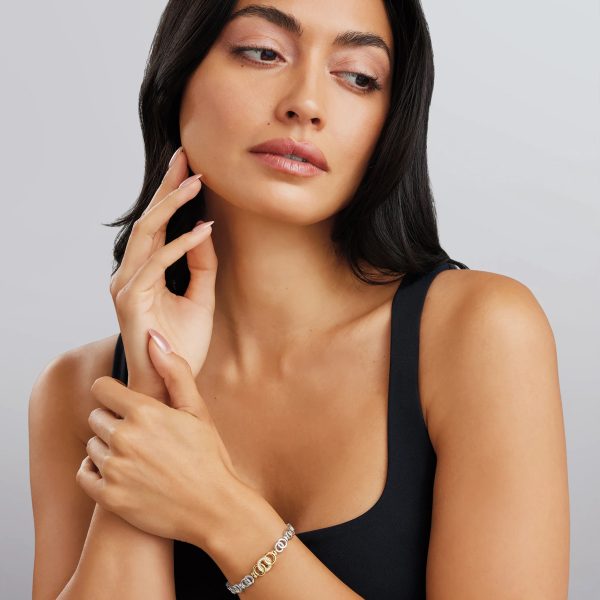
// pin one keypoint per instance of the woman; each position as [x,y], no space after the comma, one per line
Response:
[332,411]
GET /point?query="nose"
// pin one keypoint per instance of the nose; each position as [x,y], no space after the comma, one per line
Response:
[302,101]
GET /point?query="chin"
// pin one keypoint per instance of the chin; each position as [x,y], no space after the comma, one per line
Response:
[281,202]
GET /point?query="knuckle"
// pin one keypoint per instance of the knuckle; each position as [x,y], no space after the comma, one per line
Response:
[110,469]
[92,417]
[142,413]
[79,474]
[121,299]
[84,467]
[115,285]
[118,438]
[138,225]
[121,295]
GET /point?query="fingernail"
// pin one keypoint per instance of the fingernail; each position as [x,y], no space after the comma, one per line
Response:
[190,180]
[202,225]
[161,342]
[174,156]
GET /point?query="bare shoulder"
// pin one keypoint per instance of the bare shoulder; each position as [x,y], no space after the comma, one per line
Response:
[470,318]
[61,390]
[500,522]
[59,407]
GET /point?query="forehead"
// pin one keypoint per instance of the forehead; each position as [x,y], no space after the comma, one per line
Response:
[323,18]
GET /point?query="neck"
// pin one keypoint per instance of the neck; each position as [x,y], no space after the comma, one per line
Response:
[278,284]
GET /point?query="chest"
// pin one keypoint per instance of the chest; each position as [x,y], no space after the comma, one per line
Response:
[314,443]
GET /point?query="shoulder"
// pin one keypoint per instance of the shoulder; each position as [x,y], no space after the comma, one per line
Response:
[61,390]
[478,327]
[501,506]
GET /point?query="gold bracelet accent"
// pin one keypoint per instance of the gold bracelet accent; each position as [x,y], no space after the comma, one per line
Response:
[264,563]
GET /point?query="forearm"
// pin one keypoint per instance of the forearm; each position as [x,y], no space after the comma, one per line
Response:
[251,529]
[120,561]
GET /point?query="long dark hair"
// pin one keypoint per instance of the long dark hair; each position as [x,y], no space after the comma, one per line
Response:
[388,228]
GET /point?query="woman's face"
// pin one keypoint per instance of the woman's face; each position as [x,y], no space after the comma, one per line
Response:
[304,87]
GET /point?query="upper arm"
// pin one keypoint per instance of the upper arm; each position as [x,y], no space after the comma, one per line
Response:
[500,522]
[58,405]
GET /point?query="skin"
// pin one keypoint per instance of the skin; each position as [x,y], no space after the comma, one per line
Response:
[295,338]
[279,284]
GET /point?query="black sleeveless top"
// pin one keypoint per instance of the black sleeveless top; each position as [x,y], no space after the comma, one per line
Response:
[383,552]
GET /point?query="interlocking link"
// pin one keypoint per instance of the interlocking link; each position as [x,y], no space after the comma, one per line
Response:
[264,563]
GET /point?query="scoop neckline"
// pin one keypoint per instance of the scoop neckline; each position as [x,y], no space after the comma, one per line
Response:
[407,278]
[353,522]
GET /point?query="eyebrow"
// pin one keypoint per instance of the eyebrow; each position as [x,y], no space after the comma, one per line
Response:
[290,23]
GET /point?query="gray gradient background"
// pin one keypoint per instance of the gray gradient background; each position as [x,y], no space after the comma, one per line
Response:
[514,156]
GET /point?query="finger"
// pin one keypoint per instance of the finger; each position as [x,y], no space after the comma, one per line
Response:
[175,173]
[179,379]
[112,394]
[181,194]
[202,264]
[149,231]
[103,423]
[89,480]
[154,268]
[98,451]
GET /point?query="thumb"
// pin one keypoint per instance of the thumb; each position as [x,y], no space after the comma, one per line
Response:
[177,375]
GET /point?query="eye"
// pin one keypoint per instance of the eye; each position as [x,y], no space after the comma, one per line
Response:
[364,83]
[264,54]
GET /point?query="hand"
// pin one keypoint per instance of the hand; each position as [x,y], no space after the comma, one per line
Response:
[163,468]
[141,297]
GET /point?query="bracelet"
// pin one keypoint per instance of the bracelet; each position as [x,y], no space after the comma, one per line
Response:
[264,563]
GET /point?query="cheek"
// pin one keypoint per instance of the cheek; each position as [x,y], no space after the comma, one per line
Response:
[215,122]
[221,116]
[357,132]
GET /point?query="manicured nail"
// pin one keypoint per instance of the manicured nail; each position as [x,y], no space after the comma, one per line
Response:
[175,156]
[202,225]
[190,180]
[161,342]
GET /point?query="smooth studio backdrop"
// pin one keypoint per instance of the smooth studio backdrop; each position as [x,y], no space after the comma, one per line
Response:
[514,151]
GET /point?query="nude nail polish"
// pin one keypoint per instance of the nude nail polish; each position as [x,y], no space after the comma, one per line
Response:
[161,342]
[175,156]
[202,225]
[189,180]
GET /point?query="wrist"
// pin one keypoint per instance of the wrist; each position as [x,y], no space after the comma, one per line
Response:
[155,390]
[247,528]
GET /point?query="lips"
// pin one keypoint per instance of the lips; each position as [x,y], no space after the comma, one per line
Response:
[282,146]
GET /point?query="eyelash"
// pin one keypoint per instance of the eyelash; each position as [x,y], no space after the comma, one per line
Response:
[239,51]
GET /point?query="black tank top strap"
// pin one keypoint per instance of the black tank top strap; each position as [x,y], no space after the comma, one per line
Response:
[408,429]
[411,457]
[404,378]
